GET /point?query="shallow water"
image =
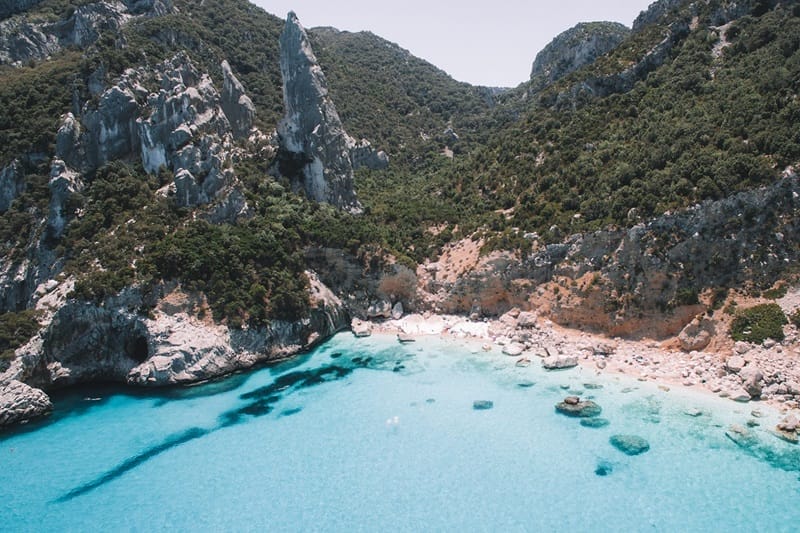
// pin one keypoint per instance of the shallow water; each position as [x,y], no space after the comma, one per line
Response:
[368,434]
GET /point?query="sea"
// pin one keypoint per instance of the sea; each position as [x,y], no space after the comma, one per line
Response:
[368,434]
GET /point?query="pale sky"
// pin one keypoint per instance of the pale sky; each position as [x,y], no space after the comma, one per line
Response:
[489,43]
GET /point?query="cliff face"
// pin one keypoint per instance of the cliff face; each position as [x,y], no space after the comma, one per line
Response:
[86,342]
[642,281]
[575,48]
[22,40]
[315,147]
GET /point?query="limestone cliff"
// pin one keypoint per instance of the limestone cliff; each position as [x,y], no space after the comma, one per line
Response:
[315,148]
[24,38]
[85,342]
[575,48]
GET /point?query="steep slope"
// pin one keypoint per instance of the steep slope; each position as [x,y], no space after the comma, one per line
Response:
[573,49]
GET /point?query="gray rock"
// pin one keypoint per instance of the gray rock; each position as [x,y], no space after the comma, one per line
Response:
[741,436]
[752,380]
[63,183]
[237,105]
[482,405]
[362,154]
[575,48]
[513,349]
[381,309]
[315,147]
[556,362]
[527,319]
[735,363]
[397,311]
[629,444]
[20,402]
[12,184]
[574,407]
[22,40]
[696,335]
[739,394]
[595,423]
[361,328]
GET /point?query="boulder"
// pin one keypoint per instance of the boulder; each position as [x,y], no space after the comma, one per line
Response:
[527,319]
[381,309]
[482,405]
[738,394]
[555,362]
[513,349]
[12,184]
[629,444]
[696,335]
[361,328]
[574,407]
[752,380]
[735,363]
[397,311]
[741,436]
[595,423]
[20,402]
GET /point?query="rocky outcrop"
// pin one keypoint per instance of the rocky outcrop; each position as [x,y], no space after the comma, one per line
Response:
[12,184]
[575,407]
[63,183]
[362,154]
[655,12]
[235,103]
[575,48]
[696,335]
[315,149]
[629,444]
[644,279]
[86,343]
[20,402]
[26,38]
[10,7]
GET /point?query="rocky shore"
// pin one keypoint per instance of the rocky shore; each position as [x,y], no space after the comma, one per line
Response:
[765,373]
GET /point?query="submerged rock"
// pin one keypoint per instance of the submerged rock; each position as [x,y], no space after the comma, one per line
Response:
[629,444]
[604,468]
[741,436]
[595,423]
[482,405]
[573,406]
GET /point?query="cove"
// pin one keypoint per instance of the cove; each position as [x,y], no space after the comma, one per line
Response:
[368,434]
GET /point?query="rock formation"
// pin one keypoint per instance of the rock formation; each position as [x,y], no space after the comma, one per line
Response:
[575,48]
[316,149]
[22,40]
[12,184]
[235,103]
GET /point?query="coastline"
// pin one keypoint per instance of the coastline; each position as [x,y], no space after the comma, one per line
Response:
[538,342]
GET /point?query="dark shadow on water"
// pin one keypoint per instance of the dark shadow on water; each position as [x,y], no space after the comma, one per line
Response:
[260,402]
[170,442]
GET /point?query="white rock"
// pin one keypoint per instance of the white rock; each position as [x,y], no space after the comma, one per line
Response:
[559,361]
[735,363]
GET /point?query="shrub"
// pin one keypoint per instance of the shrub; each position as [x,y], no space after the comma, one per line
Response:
[15,330]
[755,324]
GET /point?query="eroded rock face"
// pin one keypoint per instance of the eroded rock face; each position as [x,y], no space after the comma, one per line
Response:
[20,402]
[22,40]
[63,182]
[237,105]
[315,146]
[575,48]
[12,184]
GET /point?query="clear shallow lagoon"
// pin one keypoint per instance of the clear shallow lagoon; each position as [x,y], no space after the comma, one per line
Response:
[314,445]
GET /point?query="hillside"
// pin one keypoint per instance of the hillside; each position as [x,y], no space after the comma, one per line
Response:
[167,216]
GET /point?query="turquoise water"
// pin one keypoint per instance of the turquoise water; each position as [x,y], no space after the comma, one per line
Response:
[368,435]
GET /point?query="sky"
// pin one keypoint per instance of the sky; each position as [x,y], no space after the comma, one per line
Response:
[490,43]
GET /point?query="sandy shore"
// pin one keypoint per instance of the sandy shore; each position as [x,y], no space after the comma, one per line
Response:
[764,375]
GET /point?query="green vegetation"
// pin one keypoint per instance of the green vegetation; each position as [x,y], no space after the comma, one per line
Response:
[755,324]
[15,330]
[700,127]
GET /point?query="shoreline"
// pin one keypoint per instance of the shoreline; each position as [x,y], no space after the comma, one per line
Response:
[705,373]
